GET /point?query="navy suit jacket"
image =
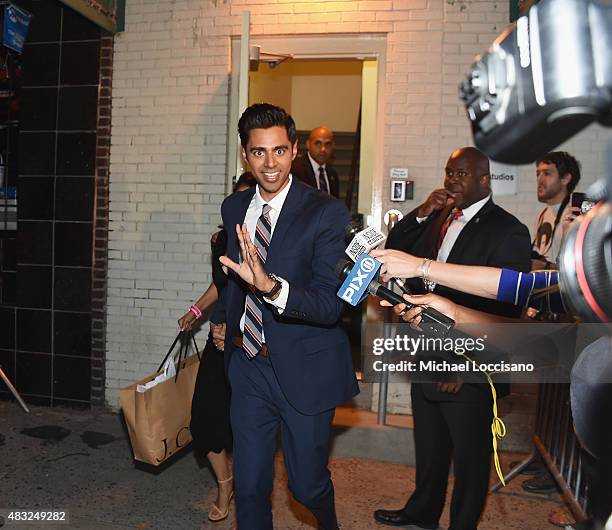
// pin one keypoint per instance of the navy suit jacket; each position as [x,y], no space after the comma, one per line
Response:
[310,353]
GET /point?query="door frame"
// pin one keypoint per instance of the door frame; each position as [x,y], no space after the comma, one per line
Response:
[322,46]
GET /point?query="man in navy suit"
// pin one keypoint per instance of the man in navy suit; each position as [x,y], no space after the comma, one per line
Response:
[289,364]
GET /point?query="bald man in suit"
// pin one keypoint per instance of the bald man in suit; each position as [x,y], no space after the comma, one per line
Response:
[461,224]
[313,168]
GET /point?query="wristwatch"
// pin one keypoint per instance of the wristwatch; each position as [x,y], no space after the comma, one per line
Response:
[275,289]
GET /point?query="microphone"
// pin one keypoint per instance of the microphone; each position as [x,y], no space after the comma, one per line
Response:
[365,240]
[354,226]
[359,281]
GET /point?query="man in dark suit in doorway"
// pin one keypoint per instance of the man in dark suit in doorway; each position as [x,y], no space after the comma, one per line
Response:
[452,420]
[313,168]
[289,364]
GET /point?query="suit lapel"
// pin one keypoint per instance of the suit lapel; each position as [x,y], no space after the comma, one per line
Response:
[287,217]
[469,231]
[311,174]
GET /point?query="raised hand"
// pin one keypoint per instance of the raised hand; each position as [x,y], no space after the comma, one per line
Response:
[251,268]
[570,215]
[437,200]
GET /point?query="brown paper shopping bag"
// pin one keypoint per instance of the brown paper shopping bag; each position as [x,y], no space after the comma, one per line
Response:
[158,418]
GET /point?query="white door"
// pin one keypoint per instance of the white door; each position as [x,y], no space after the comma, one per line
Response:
[368,201]
[239,100]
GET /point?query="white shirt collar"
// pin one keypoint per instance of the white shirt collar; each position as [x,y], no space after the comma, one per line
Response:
[315,165]
[471,211]
[277,202]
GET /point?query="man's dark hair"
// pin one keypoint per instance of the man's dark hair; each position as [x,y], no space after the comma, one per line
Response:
[565,163]
[264,116]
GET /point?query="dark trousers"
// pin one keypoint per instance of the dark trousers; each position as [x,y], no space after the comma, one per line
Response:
[445,430]
[258,408]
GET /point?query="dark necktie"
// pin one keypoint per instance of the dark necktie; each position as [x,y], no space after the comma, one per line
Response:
[252,337]
[322,180]
[454,215]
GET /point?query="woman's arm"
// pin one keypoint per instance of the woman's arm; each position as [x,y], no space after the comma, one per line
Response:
[476,280]
[460,314]
[208,298]
[466,319]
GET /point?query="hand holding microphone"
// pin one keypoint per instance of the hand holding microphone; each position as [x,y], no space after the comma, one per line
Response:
[412,311]
[365,242]
[397,264]
[359,281]
[360,278]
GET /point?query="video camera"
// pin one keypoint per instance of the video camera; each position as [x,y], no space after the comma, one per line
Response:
[544,79]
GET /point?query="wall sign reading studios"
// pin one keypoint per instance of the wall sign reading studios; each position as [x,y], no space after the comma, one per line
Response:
[504,179]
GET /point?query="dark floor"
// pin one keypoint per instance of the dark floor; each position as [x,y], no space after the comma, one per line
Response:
[88,470]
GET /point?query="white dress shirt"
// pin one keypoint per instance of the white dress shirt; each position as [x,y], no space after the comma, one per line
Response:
[315,167]
[454,229]
[250,219]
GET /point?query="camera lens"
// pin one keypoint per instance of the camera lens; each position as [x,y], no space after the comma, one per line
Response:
[585,265]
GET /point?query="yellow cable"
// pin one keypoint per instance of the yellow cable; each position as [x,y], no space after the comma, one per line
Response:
[498,427]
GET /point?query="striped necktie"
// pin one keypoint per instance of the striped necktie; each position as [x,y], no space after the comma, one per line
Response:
[252,337]
[322,180]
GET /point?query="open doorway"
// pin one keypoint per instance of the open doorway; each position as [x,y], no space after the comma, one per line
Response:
[368,50]
[311,81]
[319,92]
[322,93]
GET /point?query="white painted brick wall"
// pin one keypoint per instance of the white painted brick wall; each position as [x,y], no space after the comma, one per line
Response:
[170,111]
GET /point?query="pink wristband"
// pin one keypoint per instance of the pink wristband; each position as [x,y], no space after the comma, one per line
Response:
[196,311]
